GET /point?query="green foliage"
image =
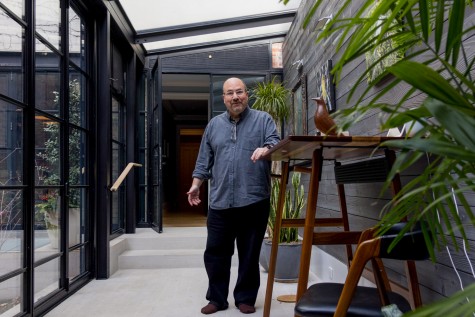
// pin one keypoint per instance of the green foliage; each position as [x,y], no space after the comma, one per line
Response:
[273,98]
[293,204]
[52,155]
[438,68]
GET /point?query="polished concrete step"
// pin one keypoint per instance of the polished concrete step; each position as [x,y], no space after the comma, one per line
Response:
[166,242]
[173,248]
[157,259]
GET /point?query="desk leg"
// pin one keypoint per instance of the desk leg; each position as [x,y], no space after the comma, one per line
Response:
[346,223]
[410,266]
[275,239]
[309,222]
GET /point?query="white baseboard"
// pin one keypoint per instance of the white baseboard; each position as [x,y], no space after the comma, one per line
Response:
[329,269]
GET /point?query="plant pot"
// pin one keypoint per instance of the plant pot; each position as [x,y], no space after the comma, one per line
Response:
[53,236]
[288,260]
[74,228]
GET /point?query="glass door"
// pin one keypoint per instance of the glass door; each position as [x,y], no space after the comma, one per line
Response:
[155,159]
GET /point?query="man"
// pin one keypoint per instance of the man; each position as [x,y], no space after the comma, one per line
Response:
[229,157]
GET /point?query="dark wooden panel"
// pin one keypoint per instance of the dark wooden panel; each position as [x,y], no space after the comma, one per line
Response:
[364,200]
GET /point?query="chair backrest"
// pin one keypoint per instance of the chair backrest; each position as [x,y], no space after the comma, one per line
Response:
[412,245]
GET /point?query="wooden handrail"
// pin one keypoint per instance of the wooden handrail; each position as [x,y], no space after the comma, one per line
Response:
[123,175]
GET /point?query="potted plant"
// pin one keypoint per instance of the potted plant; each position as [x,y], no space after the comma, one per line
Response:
[52,157]
[272,97]
[48,210]
[435,38]
[288,257]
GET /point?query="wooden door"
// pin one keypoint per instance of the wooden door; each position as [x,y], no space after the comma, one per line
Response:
[188,152]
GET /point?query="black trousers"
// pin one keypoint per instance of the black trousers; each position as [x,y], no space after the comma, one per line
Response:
[246,226]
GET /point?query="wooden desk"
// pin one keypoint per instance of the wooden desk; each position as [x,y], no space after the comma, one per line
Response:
[316,149]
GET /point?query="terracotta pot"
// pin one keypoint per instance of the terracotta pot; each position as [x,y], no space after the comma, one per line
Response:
[322,119]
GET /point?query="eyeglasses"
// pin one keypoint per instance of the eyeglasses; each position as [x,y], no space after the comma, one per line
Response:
[231,93]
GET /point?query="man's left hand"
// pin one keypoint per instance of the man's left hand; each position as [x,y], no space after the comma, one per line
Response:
[259,153]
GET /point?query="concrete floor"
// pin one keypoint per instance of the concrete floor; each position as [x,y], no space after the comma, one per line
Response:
[160,293]
[164,292]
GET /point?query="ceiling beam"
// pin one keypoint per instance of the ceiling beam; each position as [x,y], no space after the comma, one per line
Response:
[207,45]
[195,29]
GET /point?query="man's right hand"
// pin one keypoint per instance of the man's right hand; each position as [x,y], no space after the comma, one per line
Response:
[194,195]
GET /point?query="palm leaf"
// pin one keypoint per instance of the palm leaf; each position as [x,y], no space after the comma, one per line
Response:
[423,29]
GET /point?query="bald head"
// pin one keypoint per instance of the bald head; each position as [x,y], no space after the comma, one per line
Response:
[235,97]
[233,80]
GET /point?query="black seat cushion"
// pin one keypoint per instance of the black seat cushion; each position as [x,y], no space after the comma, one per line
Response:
[321,300]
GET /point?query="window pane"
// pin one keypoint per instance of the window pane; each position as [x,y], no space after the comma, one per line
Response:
[47,163]
[118,197]
[11,231]
[298,111]
[47,222]
[77,102]
[116,120]
[11,57]
[47,80]
[77,215]
[46,279]
[11,144]
[77,157]
[16,6]
[48,20]
[77,262]
[76,40]
[10,294]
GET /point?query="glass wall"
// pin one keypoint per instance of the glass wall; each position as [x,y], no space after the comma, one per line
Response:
[12,177]
[43,196]
[118,88]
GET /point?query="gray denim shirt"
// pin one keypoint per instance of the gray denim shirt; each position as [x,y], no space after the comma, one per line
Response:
[225,158]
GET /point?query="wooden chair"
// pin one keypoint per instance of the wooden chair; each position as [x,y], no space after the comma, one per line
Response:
[349,299]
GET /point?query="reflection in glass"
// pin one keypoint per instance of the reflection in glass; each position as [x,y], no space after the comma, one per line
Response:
[74,236]
[48,155]
[11,144]
[116,122]
[11,230]
[16,6]
[46,279]
[298,111]
[47,80]
[77,102]
[76,40]
[143,190]
[118,198]
[11,174]
[11,57]
[77,158]
[47,222]
[48,21]
[77,215]
[77,262]
[11,290]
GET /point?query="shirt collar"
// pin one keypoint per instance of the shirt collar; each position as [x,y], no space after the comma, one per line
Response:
[242,115]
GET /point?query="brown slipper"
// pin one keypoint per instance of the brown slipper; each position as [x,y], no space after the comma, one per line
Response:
[209,309]
[246,309]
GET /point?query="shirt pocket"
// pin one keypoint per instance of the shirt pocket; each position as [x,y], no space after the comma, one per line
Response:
[251,143]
